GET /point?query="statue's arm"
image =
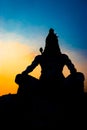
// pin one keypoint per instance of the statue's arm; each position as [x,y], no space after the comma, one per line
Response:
[70,65]
[31,67]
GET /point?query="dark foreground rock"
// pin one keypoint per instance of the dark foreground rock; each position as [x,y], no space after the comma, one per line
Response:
[41,111]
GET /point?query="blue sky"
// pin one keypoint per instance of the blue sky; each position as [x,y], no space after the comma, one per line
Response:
[28,22]
[67,17]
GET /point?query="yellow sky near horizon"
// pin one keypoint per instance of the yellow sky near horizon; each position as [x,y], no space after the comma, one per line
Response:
[14,57]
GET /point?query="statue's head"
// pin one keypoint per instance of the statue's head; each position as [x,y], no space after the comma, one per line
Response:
[52,45]
[51,30]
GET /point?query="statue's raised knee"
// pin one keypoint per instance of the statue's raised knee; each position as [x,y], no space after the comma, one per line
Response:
[76,81]
[18,79]
[25,79]
[80,80]
[80,76]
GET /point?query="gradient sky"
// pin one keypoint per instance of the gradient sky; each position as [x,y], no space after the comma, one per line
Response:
[24,25]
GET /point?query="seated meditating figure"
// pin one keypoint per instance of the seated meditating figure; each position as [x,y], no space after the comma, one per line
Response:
[52,62]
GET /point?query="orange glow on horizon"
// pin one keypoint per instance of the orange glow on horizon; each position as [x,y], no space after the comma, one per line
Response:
[14,58]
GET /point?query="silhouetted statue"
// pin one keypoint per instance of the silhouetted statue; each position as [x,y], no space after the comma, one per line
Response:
[52,62]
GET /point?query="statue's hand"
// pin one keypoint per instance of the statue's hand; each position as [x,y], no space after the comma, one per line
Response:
[24,73]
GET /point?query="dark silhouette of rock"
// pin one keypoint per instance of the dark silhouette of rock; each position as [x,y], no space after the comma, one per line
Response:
[51,99]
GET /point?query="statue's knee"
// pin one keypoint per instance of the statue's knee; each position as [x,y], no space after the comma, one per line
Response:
[18,79]
[80,76]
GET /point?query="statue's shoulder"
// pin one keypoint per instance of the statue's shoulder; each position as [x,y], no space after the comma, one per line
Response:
[65,56]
